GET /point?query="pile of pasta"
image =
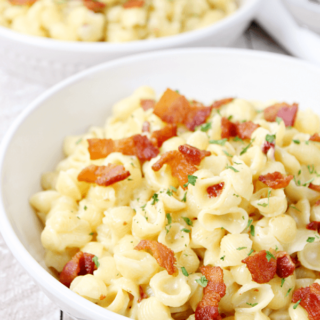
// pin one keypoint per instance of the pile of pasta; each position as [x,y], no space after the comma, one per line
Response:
[177,210]
[111,20]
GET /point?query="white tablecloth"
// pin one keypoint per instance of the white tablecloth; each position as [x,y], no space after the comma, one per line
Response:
[20,298]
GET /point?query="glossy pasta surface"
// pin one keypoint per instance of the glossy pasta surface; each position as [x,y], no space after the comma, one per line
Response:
[242,217]
[111,20]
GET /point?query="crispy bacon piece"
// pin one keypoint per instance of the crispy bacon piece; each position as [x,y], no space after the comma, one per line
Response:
[315,137]
[158,137]
[147,104]
[137,145]
[133,4]
[175,108]
[146,126]
[284,111]
[215,190]
[317,203]
[276,180]
[22,2]
[310,300]
[193,154]
[94,5]
[142,294]
[81,264]
[314,225]
[218,104]
[103,175]
[180,167]
[285,265]
[243,130]
[261,270]
[267,146]
[314,187]
[163,255]
[215,290]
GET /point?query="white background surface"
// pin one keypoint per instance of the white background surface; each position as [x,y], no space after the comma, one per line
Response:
[20,298]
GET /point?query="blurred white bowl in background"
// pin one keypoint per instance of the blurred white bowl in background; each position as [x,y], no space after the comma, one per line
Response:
[33,144]
[306,12]
[49,61]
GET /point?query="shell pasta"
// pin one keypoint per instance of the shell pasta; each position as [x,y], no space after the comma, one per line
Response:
[179,210]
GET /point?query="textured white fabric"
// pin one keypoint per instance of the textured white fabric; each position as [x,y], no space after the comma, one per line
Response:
[20,298]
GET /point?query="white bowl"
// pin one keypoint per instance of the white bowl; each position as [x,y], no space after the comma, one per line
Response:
[49,61]
[307,13]
[33,144]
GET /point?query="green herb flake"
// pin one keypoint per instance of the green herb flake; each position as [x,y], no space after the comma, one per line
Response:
[227,153]
[230,117]
[308,182]
[293,207]
[252,304]
[91,234]
[78,141]
[296,305]
[244,150]
[241,248]
[282,282]
[96,261]
[169,218]
[177,91]
[263,204]
[288,292]
[296,141]
[237,139]
[222,258]
[236,195]
[311,239]
[205,127]
[203,282]
[278,120]
[186,230]
[219,142]
[270,137]
[169,193]
[154,199]
[184,271]
[270,256]
[251,252]
[232,168]
[188,221]
[191,180]
[252,231]
[173,189]
[299,172]
[85,208]
[184,199]
[78,217]
[143,207]
[310,168]
[249,223]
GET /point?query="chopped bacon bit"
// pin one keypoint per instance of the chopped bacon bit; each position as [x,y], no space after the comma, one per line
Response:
[215,290]
[102,297]
[125,223]
[218,104]
[137,145]
[285,265]
[175,108]
[81,264]
[261,270]
[215,190]
[146,126]
[94,5]
[267,146]
[103,175]
[193,154]
[314,187]
[158,137]
[163,255]
[296,261]
[314,225]
[133,4]
[147,104]
[22,2]
[284,111]
[310,300]
[276,180]
[243,130]
[317,203]
[142,294]
[315,137]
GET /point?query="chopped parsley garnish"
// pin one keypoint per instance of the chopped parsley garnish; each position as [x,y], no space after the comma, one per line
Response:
[222,258]
[270,256]
[220,142]
[186,230]
[143,207]
[173,189]
[278,120]
[202,281]
[293,207]
[184,271]
[250,253]
[184,199]
[227,153]
[252,304]
[299,172]
[308,182]
[154,199]
[244,150]
[188,221]
[169,218]
[85,208]
[282,282]
[263,204]
[191,180]
[169,193]
[91,234]
[296,305]
[232,168]
[237,139]
[96,261]
[296,141]
[252,231]
[205,127]
[230,117]
[288,292]
[78,141]
[236,195]
[311,169]
[249,223]
[311,239]
[241,248]
[270,137]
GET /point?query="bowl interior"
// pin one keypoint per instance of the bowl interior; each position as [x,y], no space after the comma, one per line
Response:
[34,144]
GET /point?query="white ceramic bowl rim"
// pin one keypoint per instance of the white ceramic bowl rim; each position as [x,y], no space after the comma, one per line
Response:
[306,5]
[133,46]
[9,235]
